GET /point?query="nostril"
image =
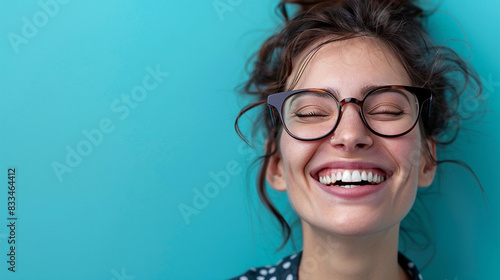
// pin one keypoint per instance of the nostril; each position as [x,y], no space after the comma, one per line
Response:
[351,139]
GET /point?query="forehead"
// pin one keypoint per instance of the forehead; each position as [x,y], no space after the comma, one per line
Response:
[363,60]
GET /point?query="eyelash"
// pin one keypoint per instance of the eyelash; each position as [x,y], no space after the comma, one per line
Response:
[310,114]
[388,112]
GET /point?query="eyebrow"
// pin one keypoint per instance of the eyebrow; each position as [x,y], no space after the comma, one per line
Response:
[293,97]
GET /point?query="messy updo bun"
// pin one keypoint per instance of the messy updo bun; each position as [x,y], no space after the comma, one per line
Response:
[398,24]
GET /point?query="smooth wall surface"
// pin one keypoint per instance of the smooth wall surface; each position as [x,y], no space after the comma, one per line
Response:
[117,117]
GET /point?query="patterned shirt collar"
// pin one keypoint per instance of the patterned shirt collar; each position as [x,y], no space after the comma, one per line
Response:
[288,268]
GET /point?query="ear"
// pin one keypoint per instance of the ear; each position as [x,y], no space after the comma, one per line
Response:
[427,166]
[275,172]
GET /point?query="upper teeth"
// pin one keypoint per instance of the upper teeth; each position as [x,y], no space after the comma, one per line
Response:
[352,176]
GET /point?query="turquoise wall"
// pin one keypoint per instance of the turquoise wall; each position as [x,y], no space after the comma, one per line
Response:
[116,115]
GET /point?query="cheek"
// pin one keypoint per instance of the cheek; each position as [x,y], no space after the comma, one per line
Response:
[407,151]
[295,154]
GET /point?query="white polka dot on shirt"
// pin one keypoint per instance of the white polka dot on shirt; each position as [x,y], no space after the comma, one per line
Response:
[289,277]
[263,272]
[273,278]
[272,270]
[286,265]
[243,278]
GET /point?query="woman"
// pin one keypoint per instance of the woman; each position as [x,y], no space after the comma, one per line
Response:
[359,98]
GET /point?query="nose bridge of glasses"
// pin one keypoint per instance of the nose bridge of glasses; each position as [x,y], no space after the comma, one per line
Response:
[345,102]
[350,100]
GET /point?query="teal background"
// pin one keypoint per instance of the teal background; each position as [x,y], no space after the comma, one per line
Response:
[116,214]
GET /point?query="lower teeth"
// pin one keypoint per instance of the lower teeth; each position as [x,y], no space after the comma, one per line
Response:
[349,186]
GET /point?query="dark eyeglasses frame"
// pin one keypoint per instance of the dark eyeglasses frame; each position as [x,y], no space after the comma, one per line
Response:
[277,100]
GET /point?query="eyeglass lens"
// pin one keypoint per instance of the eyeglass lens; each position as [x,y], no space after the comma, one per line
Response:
[389,111]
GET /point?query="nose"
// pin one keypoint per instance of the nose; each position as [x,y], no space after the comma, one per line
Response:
[351,133]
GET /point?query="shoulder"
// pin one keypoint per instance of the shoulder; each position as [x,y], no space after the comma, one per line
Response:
[286,269]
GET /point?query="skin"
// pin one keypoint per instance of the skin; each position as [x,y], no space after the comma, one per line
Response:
[352,238]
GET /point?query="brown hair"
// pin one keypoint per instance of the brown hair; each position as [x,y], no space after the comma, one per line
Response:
[399,24]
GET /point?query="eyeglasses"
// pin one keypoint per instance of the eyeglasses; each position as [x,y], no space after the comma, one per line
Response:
[312,114]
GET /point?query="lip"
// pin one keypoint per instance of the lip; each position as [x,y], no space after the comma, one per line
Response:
[351,193]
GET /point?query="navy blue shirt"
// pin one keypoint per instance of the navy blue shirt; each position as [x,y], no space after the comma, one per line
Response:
[288,268]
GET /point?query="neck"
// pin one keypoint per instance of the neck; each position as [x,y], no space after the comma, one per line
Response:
[326,256]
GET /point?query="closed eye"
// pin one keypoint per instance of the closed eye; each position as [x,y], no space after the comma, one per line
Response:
[309,115]
[388,112]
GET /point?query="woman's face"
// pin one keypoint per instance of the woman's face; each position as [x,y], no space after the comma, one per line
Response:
[347,68]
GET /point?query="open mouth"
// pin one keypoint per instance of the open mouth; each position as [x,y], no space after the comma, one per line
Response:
[352,178]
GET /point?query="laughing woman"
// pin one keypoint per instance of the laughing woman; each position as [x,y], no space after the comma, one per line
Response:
[359,96]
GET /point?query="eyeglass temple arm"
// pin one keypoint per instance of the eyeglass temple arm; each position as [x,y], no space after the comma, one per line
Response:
[272,114]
